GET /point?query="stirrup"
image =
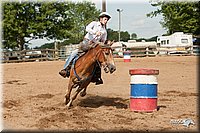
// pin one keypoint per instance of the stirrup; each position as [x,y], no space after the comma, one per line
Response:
[63,73]
[99,81]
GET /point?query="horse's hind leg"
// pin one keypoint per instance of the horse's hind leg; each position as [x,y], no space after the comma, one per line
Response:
[73,97]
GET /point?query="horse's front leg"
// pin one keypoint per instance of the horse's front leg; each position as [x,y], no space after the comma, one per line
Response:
[83,92]
[73,97]
[67,95]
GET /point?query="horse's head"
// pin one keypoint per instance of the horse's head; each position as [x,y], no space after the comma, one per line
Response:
[106,58]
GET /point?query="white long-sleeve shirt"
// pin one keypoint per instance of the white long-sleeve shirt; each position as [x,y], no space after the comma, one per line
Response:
[94,27]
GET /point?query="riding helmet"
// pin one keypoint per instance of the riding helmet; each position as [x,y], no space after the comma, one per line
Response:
[104,14]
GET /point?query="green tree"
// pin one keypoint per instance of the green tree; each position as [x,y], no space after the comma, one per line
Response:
[23,22]
[33,20]
[13,29]
[178,16]
[153,38]
[114,35]
[54,19]
[46,46]
[133,36]
[125,36]
[83,13]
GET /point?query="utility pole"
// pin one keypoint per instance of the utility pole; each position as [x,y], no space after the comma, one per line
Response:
[103,6]
[119,10]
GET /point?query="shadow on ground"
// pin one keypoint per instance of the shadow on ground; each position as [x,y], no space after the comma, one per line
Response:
[98,101]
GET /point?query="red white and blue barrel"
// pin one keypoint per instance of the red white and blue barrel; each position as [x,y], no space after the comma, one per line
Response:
[143,93]
[127,56]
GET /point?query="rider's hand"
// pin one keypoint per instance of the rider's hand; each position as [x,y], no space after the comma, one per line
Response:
[98,33]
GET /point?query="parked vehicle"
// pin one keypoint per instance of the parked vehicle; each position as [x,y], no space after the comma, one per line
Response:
[33,54]
[175,43]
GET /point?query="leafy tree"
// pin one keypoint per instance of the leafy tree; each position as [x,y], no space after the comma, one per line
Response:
[114,35]
[133,36]
[46,46]
[178,16]
[56,21]
[152,38]
[125,36]
[13,29]
[141,39]
[83,13]
[53,20]
[33,20]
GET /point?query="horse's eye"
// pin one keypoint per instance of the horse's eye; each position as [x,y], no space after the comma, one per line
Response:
[107,53]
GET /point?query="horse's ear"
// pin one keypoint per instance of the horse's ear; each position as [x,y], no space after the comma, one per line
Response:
[109,42]
[112,42]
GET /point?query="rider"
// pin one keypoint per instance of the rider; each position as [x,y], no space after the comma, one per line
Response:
[96,32]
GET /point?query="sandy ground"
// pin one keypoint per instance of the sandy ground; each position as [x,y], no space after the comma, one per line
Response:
[33,95]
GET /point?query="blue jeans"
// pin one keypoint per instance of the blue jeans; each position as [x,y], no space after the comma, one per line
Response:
[74,53]
[70,57]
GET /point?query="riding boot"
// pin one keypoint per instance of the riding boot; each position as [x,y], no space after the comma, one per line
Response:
[98,75]
[65,72]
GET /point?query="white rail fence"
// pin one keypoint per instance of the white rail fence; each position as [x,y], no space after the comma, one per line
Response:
[62,54]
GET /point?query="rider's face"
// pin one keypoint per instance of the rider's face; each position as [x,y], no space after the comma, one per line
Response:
[104,20]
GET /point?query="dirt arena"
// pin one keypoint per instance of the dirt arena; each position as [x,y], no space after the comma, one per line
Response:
[33,98]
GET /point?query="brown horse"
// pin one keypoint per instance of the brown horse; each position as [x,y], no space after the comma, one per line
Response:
[83,70]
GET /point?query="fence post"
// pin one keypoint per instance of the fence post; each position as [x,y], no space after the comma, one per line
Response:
[191,50]
[46,54]
[56,49]
[147,51]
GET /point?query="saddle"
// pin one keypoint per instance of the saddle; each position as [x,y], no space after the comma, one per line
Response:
[96,74]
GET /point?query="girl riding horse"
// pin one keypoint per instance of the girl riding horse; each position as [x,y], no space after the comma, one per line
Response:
[83,69]
[96,33]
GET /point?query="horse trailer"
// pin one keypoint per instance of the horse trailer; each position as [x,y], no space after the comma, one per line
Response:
[175,43]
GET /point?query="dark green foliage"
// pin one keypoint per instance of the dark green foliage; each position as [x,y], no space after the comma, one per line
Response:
[178,16]
[23,22]
[114,35]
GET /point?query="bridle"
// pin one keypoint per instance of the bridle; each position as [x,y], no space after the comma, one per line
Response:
[95,59]
[97,56]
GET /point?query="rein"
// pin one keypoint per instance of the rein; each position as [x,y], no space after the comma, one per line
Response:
[94,59]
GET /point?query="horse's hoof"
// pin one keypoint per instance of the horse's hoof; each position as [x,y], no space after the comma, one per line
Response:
[66,101]
[67,107]
[82,94]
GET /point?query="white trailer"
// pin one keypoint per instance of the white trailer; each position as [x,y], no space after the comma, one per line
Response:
[175,43]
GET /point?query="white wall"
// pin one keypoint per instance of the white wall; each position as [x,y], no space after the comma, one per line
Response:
[178,39]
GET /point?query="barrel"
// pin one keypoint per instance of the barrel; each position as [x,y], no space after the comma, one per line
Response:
[127,56]
[143,91]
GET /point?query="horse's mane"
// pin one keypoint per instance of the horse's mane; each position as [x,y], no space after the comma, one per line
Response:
[102,45]
[86,48]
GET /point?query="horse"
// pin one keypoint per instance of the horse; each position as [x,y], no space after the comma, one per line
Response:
[83,69]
